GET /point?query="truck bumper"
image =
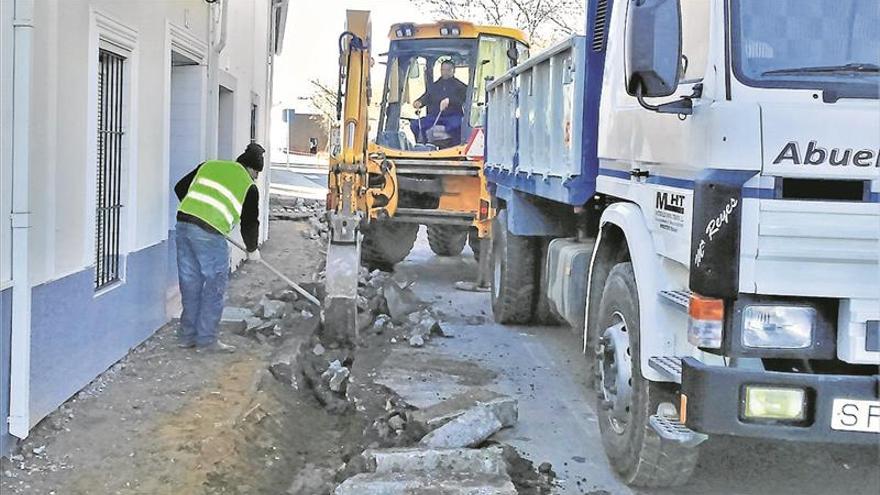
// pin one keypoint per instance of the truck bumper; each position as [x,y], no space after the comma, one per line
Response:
[716,401]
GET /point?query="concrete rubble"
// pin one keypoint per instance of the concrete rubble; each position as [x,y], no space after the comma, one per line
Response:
[271,308]
[432,450]
[336,375]
[446,471]
[468,430]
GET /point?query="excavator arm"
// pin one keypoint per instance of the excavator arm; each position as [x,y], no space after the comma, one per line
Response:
[362,186]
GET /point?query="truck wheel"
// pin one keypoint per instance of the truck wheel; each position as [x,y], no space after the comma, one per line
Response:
[387,243]
[473,241]
[626,400]
[513,274]
[446,240]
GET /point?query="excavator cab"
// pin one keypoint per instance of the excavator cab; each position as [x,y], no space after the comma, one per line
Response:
[426,66]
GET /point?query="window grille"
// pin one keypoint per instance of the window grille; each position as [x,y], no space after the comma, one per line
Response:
[109,168]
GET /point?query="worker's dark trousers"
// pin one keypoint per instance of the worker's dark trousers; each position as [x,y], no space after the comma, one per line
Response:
[203,272]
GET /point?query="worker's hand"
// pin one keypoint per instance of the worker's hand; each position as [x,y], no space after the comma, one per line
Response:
[444,103]
[254,255]
[417,104]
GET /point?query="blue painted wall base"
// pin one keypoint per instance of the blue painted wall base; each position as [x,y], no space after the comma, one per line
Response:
[76,335]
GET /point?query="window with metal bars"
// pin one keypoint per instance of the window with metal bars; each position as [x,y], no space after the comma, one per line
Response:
[111,131]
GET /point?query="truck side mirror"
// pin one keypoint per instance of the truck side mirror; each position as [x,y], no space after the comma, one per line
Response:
[653,47]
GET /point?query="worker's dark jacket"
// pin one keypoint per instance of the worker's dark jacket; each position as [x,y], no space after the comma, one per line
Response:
[450,88]
[250,211]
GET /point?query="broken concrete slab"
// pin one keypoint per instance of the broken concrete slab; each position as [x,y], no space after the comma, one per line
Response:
[271,308]
[252,323]
[407,460]
[468,430]
[233,314]
[402,302]
[435,416]
[441,483]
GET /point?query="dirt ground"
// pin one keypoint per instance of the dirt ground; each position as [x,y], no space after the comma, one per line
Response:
[170,420]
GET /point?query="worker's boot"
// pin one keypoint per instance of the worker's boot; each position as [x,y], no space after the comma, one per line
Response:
[217,347]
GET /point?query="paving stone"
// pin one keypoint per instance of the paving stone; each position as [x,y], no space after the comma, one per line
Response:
[468,430]
[233,314]
[475,461]
[440,483]
[505,408]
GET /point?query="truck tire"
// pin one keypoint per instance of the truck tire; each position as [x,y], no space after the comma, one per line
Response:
[447,240]
[473,241]
[626,400]
[513,274]
[387,243]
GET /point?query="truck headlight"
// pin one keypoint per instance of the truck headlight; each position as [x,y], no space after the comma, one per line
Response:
[778,327]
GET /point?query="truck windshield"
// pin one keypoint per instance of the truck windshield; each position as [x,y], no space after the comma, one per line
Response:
[817,44]
[420,75]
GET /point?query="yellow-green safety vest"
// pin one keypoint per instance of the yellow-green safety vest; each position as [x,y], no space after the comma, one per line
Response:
[217,193]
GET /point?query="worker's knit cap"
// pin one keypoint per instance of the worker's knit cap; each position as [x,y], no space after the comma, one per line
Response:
[252,157]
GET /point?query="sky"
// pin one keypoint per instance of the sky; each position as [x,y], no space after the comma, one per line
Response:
[310,43]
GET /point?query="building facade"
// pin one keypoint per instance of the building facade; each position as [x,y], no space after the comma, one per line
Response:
[104,106]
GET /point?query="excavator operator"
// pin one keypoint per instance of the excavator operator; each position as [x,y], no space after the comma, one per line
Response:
[444,100]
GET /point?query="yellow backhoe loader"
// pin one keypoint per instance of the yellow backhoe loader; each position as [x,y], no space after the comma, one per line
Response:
[425,166]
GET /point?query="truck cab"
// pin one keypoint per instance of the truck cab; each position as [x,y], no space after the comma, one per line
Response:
[716,237]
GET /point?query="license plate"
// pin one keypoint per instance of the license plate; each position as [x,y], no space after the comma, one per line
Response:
[856,415]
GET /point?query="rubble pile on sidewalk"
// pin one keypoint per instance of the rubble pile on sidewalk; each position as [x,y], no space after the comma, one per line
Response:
[312,211]
[447,447]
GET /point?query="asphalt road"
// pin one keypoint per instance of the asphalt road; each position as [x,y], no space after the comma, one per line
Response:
[543,368]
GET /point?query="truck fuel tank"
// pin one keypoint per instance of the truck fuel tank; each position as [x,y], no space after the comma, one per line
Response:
[568,266]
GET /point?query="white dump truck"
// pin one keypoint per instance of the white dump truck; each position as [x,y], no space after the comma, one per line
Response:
[695,186]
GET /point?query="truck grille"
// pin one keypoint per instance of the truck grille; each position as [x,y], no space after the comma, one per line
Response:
[817,249]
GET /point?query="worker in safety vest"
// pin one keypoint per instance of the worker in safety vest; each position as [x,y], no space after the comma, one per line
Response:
[214,197]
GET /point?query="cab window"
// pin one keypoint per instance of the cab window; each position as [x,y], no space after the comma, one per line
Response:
[495,56]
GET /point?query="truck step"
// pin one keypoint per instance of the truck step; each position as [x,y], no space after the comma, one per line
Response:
[679,298]
[668,366]
[670,429]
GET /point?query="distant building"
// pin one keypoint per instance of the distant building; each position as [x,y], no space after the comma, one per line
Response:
[308,131]
[104,105]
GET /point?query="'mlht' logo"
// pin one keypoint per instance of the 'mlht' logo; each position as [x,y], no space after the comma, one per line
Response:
[816,155]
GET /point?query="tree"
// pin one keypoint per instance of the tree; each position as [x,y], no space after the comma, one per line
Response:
[323,99]
[544,21]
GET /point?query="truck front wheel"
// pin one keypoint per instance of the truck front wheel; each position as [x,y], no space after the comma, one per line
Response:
[626,400]
[513,274]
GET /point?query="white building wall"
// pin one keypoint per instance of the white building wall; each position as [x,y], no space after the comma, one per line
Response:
[67,352]
[65,48]
[5,144]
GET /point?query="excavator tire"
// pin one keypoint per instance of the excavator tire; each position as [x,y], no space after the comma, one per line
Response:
[447,240]
[387,243]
